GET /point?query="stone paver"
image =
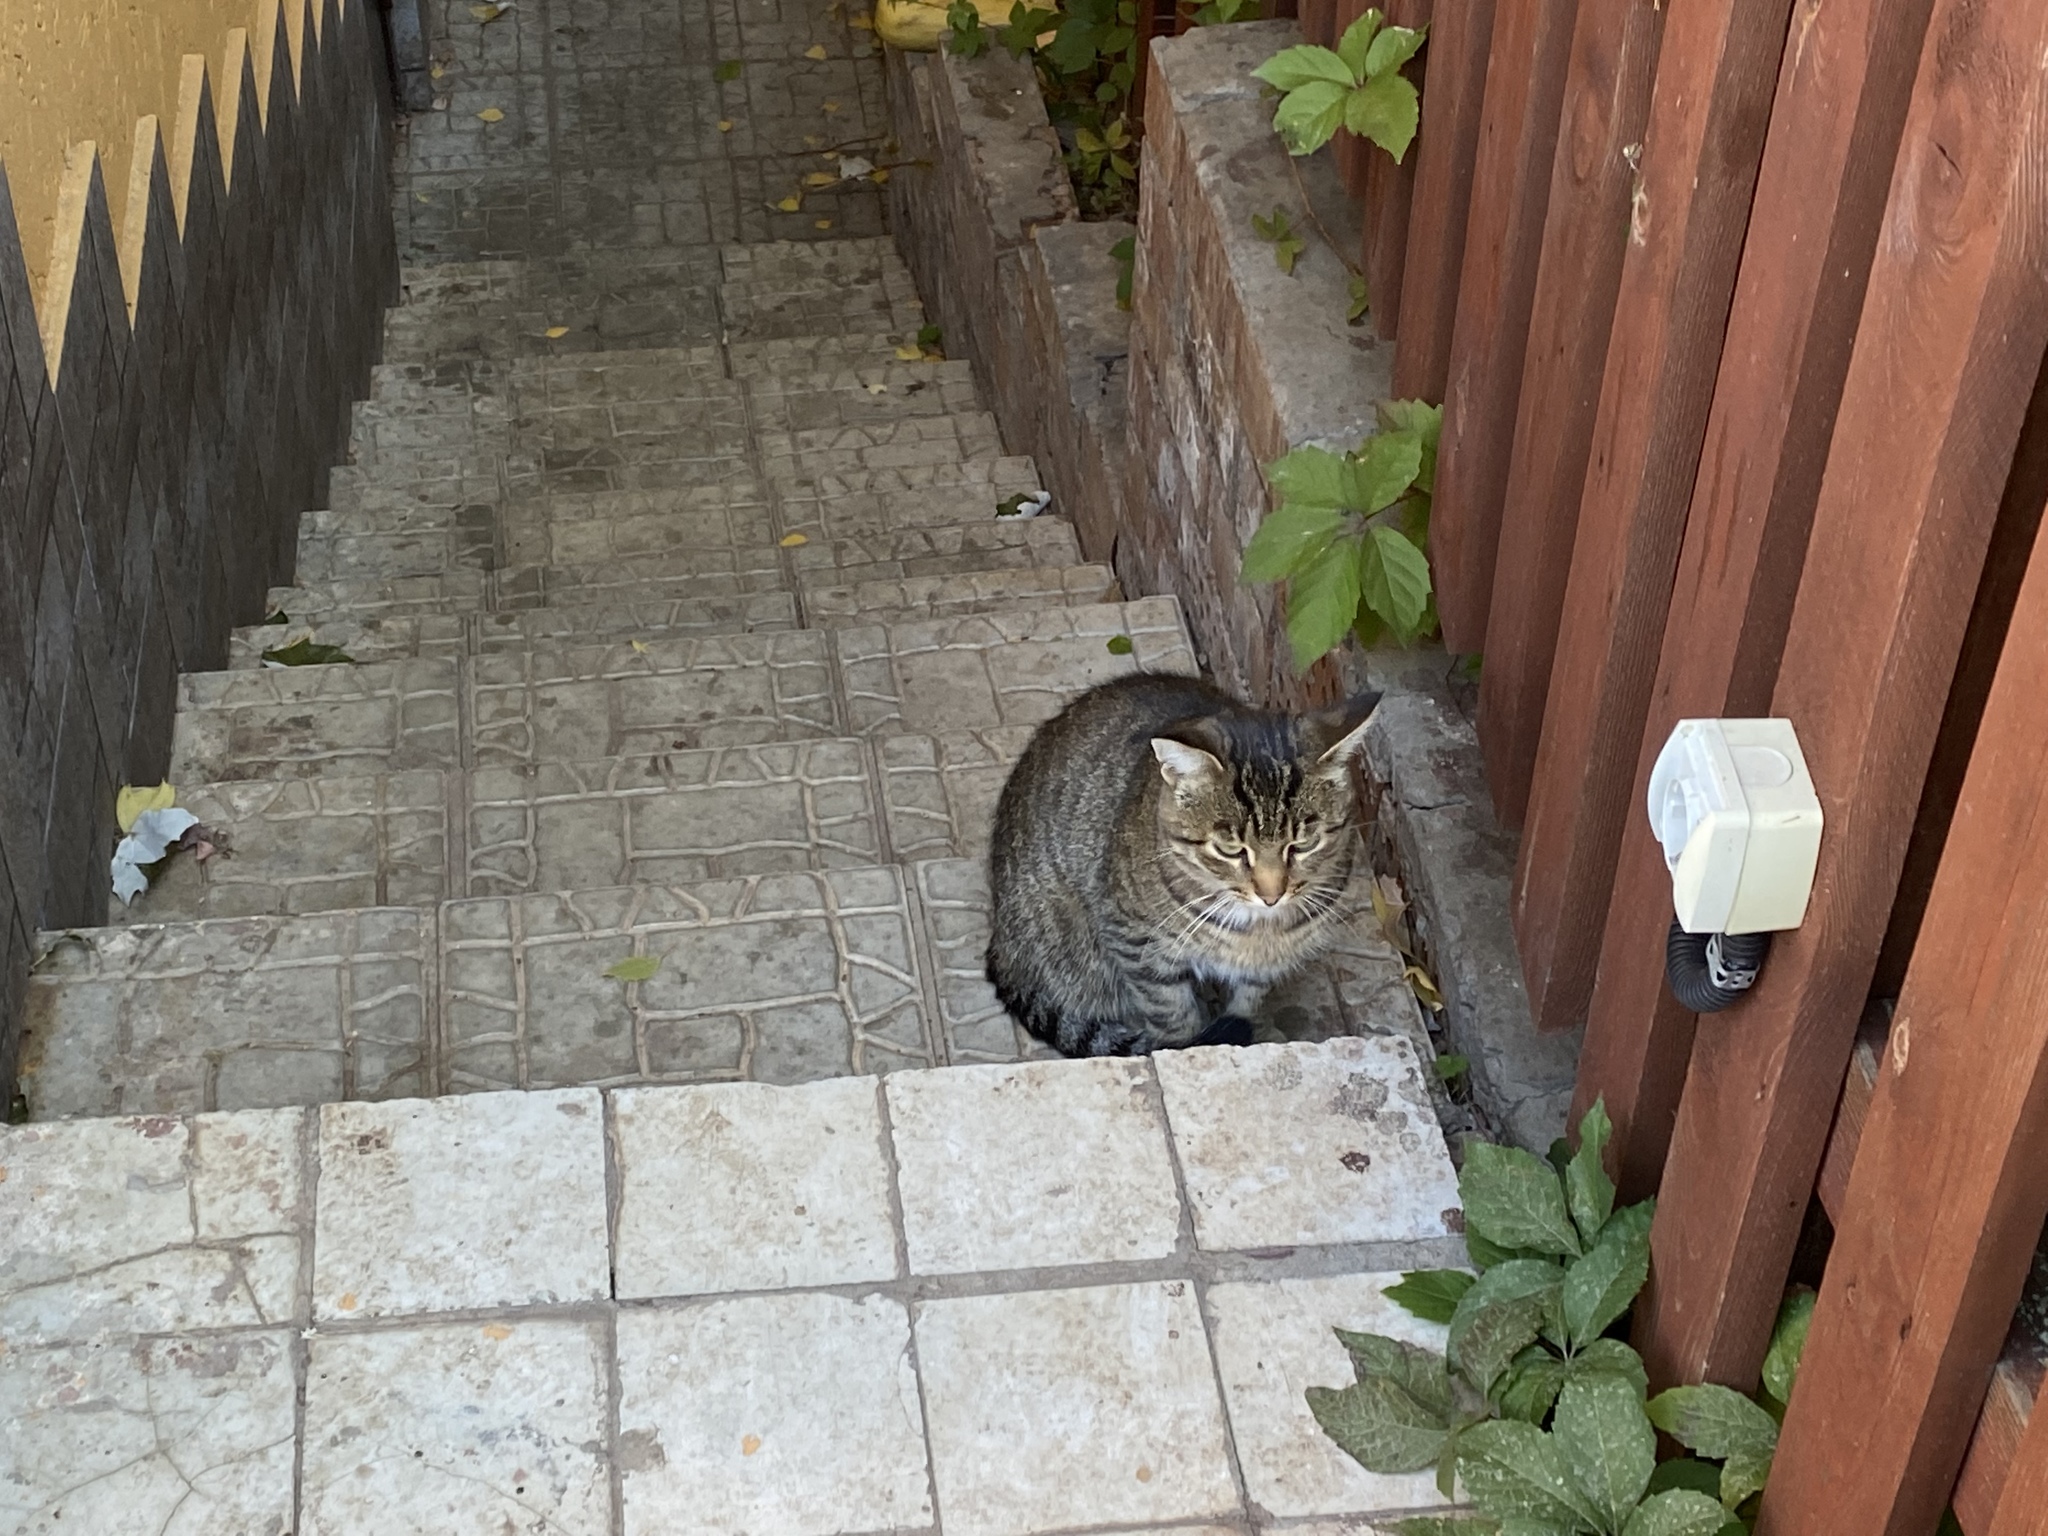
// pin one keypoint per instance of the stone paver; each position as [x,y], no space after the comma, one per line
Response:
[310,722]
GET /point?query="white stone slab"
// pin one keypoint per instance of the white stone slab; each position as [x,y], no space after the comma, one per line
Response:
[1283,1145]
[490,1200]
[149,1225]
[743,1187]
[796,1415]
[1027,1166]
[128,1437]
[460,1429]
[1274,1342]
[1053,1409]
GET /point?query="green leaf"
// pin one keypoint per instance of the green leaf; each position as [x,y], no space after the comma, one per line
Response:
[1451,1068]
[1678,1512]
[1360,303]
[1322,600]
[1599,1287]
[1713,1420]
[1419,1372]
[1379,1425]
[1292,68]
[1515,1472]
[1587,1188]
[1611,1357]
[1118,645]
[1743,1474]
[304,653]
[277,616]
[1685,1472]
[1609,1447]
[1310,114]
[1288,540]
[728,69]
[1394,580]
[1515,1200]
[1286,251]
[930,336]
[1392,48]
[1445,1525]
[1485,1254]
[1025,26]
[1386,110]
[1431,1294]
[1355,46]
[1125,254]
[1380,471]
[1531,1384]
[1422,421]
[1788,1340]
[967,41]
[1073,49]
[1499,1317]
[634,968]
[1313,477]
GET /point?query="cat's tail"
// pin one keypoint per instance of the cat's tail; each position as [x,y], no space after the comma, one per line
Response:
[1042,1020]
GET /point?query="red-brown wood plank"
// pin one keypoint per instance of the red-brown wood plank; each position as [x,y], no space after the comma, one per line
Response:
[1843,82]
[1525,79]
[1951,339]
[1709,109]
[2023,1506]
[1606,103]
[1444,151]
[1390,193]
[1950,1185]
[1994,1445]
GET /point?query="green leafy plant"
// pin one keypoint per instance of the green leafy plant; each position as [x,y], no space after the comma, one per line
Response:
[1100,160]
[305,652]
[1360,302]
[1358,86]
[1540,1414]
[965,39]
[1349,534]
[1026,26]
[1125,254]
[1217,12]
[1277,230]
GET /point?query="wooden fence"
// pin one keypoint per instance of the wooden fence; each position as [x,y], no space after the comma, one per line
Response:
[1738,311]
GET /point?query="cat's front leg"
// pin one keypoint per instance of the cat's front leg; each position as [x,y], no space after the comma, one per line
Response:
[1246,998]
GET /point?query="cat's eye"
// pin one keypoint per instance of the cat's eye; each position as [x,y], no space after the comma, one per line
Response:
[1226,848]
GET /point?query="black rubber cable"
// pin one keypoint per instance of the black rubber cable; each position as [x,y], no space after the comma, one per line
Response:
[1710,971]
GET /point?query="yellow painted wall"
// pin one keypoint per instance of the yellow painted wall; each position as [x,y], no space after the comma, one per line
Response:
[73,70]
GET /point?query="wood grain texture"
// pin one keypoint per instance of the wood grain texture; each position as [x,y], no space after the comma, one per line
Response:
[1445,148]
[1585,237]
[1844,79]
[2008,1410]
[1525,80]
[2023,1498]
[1951,339]
[1390,192]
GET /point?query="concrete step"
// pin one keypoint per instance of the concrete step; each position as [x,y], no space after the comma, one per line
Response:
[771,356]
[563,703]
[761,308]
[885,601]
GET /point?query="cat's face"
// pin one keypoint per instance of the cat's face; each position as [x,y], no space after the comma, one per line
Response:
[1258,818]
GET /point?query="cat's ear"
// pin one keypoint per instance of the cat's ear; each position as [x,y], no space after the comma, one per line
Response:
[1337,736]
[1184,766]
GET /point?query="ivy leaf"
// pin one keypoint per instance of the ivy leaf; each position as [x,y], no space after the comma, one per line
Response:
[1431,1294]
[1393,47]
[1743,1474]
[1118,645]
[1499,1317]
[1587,1188]
[1379,1425]
[304,652]
[1360,302]
[1514,1199]
[1515,1473]
[1680,1512]
[1788,1340]
[1313,477]
[1394,580]
[1531,1384]
[634,968]
[1322,600]
[1611,1357]
[1288,540]
[1125,254]
[1386,110]
[728,69]
[1383,468]
[1713,1421]
[1422,1373]
[1487,1255]
[1425,423]
[1309,115]
[1609,1447]
[1685,1472]
[1304,64]
[1355,46]
[1073,49]
[1599,1287]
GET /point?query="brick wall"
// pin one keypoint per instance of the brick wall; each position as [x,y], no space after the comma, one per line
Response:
[151,494]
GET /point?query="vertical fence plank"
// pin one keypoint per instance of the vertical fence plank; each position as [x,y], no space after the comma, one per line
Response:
[1950,1184]
[1444,151]
[1525,75]
[2023,1506]
[1843,84]
[1390,193]
[1606,102]
[1709,110]
[1951,339]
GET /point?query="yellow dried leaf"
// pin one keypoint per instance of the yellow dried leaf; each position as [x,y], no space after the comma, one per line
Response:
[1424,986]
[640,646]
[790,204]
[791,540]
[348,1302]
[749,1444]
[909,354]
[878,389]
[879,176]
[492,115]
[813,140]
[423,197]
[487,14]
[557,332]
[820,179]
[815,51]
[823,224]
[437,71]
[725,125]
[831,106]
[862,22]
[131,802]
[496,1331]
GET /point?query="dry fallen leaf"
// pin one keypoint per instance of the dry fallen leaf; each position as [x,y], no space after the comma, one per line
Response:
[557,332]
[862,22]
[790,204]
[820,179]
[815,51]
[814,140]
[791,540]
[487,13]
[497,1331]
[1425,987]
[423,197]
[725,125]
[749,1444]
[492,115]
[131,802]
[909,354]
[879,176]
[436,72]
[823,224]
[831,106]
[348,1301]
[640,646]
[878,389]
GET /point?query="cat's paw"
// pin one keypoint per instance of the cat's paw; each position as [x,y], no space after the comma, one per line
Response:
[1231,1029]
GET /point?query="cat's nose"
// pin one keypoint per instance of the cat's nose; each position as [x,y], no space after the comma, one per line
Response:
[1270,881]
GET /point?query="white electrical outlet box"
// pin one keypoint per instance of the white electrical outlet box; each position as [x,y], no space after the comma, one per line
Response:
[1734,807]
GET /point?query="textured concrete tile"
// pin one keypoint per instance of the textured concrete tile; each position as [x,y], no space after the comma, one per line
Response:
[1011,668]
[467,1429]
[574,703]
[437,636]
[128,1437]
[1274,1342]
[1051,1409]
[730,526]
[779,979]
[953,896]
[309,722]
[670,817]
[938,597]
[939,792]
[232,1013]
[768,357]
[1300,1144]
[798,1170]
[306,845]
[374,598]
[430,1205]
[844,397]
[947,549]
[794,1414]
[758,308]
[149,1226]
[846,503]
[1021,1167]
[913,442]
[633,614]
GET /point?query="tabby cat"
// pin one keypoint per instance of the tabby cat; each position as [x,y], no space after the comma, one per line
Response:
[1162,856]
